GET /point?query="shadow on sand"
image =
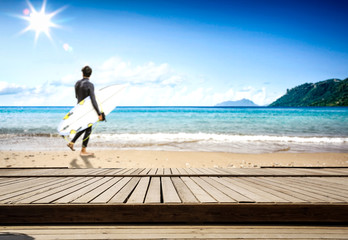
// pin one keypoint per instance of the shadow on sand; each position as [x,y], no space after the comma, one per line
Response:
[15,236]
[86,163]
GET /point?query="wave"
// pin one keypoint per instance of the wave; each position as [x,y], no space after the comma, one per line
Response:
[215,138]
[196,138]
[184,142]
[10,135]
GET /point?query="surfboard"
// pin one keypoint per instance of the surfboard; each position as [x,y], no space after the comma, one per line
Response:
[83,115]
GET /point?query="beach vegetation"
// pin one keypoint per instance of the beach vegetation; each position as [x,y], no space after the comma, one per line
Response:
[332,92]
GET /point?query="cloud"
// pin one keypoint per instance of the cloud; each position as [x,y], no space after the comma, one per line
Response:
[46,94]
[11,88]
[140,95]
[150,84]
[67,80]
[114,70]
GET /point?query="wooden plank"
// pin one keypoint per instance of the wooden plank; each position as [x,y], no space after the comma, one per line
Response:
[160,171]
[174,232]
[19,186]
[77,193]
[112,191]
[212,190]
[261,191]
[154,193]
[224,171]
[190,171]
[281,228]
[145,171]
[335,189]
[319,193]
[309,172]
[122,171]
[339,171]
[175,171]
[152,171]
[332,195]
[194,171]
[137,171]
[167,171]
[103,172]
[310,196]
[283,192]
[129,171]
[157,213]
[184,192]
[323,171]
[279,185]
[236,171]
[116,171]
[66,191]
[255,181]
[88,197]
[241,190]
[182,171]
[336,182]
[54,189]
[236,197]
[169,192]
[48,184]
[209,171]
[199,193]
[125,192]
[8,181]
[182,235]
[139,193]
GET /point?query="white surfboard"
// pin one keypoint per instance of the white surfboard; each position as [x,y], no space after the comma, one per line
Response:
[83,115]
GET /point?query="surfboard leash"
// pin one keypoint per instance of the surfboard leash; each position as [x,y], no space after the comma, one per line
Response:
[95,126]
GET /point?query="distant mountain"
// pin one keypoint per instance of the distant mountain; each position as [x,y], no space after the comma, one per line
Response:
[240,103]
[332,92]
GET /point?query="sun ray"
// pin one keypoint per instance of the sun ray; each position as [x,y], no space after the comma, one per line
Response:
[40,21]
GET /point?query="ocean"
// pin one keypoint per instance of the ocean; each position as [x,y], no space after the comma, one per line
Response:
[218,129]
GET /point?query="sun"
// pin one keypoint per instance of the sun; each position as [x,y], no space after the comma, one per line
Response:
[39,21]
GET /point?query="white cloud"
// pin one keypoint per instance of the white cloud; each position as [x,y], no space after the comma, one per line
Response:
[140,95]
[11,88]
[114,70]
[67,80]
[47,94]
[150,84]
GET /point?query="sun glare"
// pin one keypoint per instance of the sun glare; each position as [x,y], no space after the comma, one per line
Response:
[39,21]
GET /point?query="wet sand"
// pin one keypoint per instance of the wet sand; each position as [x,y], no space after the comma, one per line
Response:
[164,159]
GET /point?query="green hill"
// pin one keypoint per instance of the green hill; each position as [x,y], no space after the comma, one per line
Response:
[332,92]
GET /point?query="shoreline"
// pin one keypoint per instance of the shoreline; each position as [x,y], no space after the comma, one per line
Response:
[168,159]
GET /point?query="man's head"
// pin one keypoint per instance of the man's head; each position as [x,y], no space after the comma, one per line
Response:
[86,71]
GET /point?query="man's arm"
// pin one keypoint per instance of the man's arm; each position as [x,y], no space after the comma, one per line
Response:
[76,90]
[94,101]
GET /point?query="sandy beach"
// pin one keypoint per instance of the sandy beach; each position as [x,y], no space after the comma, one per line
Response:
[163,159]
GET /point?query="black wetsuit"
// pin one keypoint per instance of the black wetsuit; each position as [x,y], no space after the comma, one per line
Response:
[83,89]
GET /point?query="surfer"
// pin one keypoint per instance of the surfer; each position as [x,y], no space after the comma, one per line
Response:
[83,89]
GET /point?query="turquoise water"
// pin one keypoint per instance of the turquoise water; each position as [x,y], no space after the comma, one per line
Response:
[259,129]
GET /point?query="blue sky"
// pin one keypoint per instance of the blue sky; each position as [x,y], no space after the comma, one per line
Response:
[172,52]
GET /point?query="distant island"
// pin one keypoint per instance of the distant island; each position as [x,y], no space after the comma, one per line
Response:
[332,92]
[240,103]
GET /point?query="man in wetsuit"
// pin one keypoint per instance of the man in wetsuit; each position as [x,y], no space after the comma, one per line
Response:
[83,89]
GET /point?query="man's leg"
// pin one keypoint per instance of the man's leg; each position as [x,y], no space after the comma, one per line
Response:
[85,141]
[77,135]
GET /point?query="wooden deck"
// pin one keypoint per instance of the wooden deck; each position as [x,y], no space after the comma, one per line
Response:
[231,232]
[170,195]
